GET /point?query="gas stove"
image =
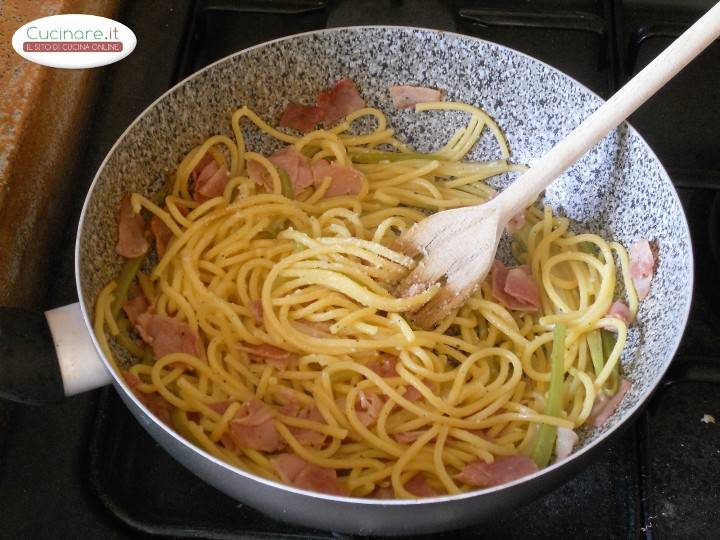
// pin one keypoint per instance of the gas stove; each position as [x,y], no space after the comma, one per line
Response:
[85,468]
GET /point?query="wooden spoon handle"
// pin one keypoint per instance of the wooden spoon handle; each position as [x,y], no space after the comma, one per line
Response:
[523,191]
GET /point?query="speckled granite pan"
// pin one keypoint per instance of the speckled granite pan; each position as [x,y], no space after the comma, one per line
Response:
[619,190]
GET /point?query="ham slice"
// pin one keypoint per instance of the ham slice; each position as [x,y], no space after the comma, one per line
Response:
[253,427]
[317,329]
[162,234]
[220,406]
[269,354]
[383,492]
[153,401]
[297,472]
[564,443]
[257,311]
[131,241]
[209,179]
[642,266]
[301,117]
[368,407]
[408,437]
[620,310]
[167,335]
[413,394]
[418,486]
[504,469]
[339,101]
[604,407]
[345,180]
[257,174]
[515,287]
[211,183]
[305,436]
[206,160]
[135,307]
[516,222]
[384,365]
[405,97]
[296,165]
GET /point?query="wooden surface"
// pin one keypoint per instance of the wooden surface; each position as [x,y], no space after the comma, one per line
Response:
[42,112]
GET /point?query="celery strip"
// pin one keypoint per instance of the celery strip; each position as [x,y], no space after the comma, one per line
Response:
[595,343]
[127,274]
[546,434]
[377,157]
[287,187]
[608,343]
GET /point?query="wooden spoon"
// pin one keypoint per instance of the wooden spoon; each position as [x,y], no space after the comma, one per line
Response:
[458,246]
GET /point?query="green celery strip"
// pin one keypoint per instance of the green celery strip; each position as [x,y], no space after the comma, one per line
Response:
[127,274]
[287,187]
[608,342]
[378,156]
[595,344]
[546,434]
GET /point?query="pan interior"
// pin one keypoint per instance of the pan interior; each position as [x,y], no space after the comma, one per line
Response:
[618,190]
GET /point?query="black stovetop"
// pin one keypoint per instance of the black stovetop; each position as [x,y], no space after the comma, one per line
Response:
[86,469]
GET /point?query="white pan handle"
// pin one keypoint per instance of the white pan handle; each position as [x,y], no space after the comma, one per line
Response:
[80,366]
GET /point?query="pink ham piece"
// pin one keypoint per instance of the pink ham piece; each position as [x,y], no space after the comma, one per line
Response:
[135,307]
[253,427]
[220,406]
[368,407]
[131,241]
[642,266]
[206,160]
[405,97]
[269,354]
[620,310]
[153,401]
[384,365]
[209,179]
[296,165]
[316,329]
[339,101]
[304,118]
[257,174]
[383,492]
[418,486]
[167,335]
[289,160]
[564,443]
[515,287]
[504,469]
[306,436]
[516,222]
[407,437]
[265,350]
[257,310]
[604,407]
[345,180]
[413,394]
[297,472]
[162,235]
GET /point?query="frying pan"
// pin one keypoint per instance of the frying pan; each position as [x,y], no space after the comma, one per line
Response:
[619,190]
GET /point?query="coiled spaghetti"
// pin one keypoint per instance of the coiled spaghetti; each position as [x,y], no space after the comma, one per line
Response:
[390,400]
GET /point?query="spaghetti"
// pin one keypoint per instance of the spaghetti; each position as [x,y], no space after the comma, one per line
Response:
[306,369]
